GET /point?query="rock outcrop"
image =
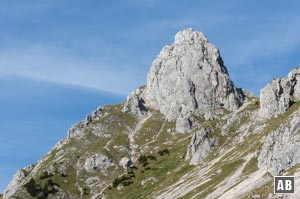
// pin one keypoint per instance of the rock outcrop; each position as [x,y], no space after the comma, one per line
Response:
[281,148]
[18,180]
[98,162]
[135,103]
[201,145]
[183,124]
[278,96]
[76,129]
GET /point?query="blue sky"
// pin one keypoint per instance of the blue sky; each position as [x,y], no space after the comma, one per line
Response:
[60,59]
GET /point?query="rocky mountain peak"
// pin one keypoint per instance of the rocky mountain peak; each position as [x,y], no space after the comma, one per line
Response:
[188,77]
[189,36]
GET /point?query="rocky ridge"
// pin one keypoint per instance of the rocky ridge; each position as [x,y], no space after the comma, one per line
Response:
[189,133]
[278,96]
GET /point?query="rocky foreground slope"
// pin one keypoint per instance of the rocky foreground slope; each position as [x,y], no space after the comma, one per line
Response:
[189,133]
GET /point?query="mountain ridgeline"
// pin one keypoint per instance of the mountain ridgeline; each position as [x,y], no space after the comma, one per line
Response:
[189,133]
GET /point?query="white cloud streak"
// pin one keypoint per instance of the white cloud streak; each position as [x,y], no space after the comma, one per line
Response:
[53,64]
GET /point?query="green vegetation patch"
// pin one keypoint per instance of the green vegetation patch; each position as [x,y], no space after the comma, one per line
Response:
[41,191]
[47,184]
[162,168]
[214,126]
[150,129]
[115,120]
[251,166]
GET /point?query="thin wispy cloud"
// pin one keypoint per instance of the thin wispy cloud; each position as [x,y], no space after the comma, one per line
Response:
[52,64]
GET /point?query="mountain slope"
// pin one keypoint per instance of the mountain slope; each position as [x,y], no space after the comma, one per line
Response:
[189,133]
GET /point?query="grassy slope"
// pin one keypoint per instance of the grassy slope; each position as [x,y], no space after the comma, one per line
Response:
[87,146]
[172,165]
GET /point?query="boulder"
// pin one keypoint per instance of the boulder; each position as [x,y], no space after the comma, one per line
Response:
[97,162]
[125,162]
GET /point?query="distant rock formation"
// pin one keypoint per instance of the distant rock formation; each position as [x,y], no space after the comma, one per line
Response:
[278,96]
[189,77]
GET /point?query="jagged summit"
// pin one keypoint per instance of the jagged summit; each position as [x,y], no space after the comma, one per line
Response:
[189,77]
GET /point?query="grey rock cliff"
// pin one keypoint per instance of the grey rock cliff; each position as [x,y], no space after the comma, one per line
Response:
[189,77]
[18,180]
[280,94]
[281,148]
[201,145]
[135,103]
[76,129]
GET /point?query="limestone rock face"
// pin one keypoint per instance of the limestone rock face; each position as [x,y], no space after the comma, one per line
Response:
[135,103]
[76,129]
[189,77]
[18,180]
[281,148]
[280,94]
[97,162]
[201,145]
[183,124]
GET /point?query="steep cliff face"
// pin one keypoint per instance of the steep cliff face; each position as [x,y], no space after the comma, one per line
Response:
[278,96]
[189,133]
[281,148]
[189,77]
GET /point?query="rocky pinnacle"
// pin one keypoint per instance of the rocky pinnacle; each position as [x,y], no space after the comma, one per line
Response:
[189,77]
